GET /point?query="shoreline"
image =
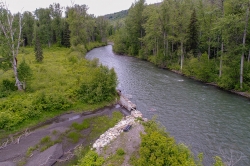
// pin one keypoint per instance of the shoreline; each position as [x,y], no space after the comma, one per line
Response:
[239,93]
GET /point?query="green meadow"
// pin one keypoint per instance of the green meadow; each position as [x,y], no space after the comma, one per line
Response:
[63,81]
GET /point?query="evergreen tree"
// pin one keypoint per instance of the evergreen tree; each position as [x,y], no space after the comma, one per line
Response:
[193,34]
[66,35]
[37,45]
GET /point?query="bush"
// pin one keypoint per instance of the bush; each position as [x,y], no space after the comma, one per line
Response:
[24,73]
[51,102]
[120,152]
[91,159]
[74,136]
[8,85]
[101,86]
[158,149]
[84,125]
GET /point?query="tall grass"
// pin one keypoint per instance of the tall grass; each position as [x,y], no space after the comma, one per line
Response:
[52,90]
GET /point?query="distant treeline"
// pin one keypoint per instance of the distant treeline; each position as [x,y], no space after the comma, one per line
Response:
[75,27]
[205,39]
[117,15]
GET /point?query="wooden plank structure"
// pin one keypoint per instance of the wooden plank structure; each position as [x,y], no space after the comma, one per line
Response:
[126,103]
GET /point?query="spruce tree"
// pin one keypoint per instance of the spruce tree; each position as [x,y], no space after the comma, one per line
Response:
[38,48]
[66,35]
[193,34]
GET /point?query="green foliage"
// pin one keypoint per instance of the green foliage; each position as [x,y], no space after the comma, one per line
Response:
[24,73]
[29,151]
[218,161]
[45,143]
[98,127]
[201,68]
[74,136]
[91,159]
[84,125]
[157,148]
[54,84]
[50,102]
[37,44]
[174,34]
[120,152]
[193,34]
[117,15]
[45,140]
[99,87]
[8,85]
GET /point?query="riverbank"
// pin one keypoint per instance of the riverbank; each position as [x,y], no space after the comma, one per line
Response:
[243,94]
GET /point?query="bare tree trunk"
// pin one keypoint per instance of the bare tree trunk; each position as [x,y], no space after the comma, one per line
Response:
[18,82]
[244,43]
[13,42]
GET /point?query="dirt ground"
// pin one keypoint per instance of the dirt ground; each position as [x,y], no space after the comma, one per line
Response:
[129,141]
[15,150]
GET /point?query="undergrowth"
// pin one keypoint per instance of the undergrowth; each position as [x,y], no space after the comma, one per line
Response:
[56,86]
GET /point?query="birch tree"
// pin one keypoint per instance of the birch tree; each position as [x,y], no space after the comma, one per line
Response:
[12,38]
[244,44]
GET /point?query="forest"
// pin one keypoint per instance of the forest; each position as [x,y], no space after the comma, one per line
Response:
[207,40]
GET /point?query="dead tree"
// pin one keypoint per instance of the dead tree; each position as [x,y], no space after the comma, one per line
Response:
[12,36]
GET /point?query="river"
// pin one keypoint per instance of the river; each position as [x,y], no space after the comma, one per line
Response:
[203,117]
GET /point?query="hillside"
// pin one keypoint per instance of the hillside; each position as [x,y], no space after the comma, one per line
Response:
[117,15]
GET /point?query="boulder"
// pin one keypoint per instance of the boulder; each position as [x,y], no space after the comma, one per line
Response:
[48,157]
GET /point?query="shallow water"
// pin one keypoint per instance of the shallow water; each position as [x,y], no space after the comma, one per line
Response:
[203,117]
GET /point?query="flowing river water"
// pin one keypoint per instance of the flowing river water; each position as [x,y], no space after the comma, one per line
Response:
[203,117]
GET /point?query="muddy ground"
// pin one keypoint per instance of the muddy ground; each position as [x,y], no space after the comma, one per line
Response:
[15,151]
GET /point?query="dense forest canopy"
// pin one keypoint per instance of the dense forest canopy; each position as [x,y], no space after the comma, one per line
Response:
[207,39]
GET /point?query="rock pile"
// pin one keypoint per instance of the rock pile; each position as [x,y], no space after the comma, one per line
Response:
[114,132]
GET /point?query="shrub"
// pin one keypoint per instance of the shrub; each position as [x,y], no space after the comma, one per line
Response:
[51,102]
[74,136]
[99,87]
[84,125]
[91,159]
[120,152]
[157,148]
[45,140]
[8,85]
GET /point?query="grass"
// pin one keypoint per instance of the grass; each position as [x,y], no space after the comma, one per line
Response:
[84,125]
[50,92]
[74,136]
[30,150]
[98,127]
[45,140]
[115,160]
